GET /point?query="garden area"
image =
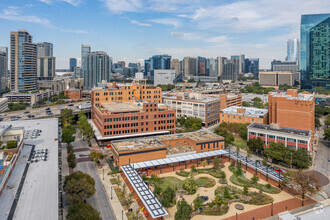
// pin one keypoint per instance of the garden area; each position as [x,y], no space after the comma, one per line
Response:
[212,190]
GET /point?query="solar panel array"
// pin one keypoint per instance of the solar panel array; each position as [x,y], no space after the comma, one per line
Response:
[176,159]
[148,198]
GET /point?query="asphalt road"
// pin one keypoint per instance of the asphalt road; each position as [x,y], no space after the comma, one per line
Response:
[41,112]
[99,200]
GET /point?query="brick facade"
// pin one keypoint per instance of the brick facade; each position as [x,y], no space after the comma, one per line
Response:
[74,94]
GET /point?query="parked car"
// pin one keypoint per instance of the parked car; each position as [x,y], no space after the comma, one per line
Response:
[47,109]
[71,104]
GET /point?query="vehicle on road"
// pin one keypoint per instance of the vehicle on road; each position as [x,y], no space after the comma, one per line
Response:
[71,104]
[47,109]
[1,119]
[26,112]
[3,114]
[83,155]
[30,116]
[49,113]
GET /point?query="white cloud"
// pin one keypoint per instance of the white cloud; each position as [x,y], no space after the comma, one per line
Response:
[13,14]
[140,23]
[167,21]
[219,39]
[71,2]
[121,6]
[76,31]
[187,36]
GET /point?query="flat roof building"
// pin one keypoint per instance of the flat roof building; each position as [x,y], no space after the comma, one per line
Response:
[165,146]
[3,104]
[277,78]
[292,109]
[31,97]
[129,119]
[195,105]
[236,114]
[293,138]
[74,94]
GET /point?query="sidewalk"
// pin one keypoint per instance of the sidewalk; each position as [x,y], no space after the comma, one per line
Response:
[114,202]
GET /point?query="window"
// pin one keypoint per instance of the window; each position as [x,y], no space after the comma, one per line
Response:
[291,140]
[261,135]
[302,142]
[280,138]
[252,133]
[271,136]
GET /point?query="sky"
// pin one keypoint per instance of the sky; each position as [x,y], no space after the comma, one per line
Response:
[134,30]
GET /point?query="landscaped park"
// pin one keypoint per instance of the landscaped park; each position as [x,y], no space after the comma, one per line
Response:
[213,191]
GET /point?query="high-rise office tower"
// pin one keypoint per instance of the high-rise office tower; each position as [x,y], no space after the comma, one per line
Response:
[44,49]
[85,49]
[240,62]
[175,65]
[221,62]
[159,62]
[293,50]
[252,66]
[78,72]
[201,65]
[3,68]
[45,68]
[315,51]
[230,70]
[73,64]
[146,67]
[97,67]
[122,63]
[189,66]
[213,67]
[23,62]
[277,65]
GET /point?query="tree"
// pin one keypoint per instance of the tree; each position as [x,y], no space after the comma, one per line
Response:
[245,104]
[217,164]
[183,210]
[168,196]
[257,102]
[317,123]
[67,117]
[327,133]
[96,156]
[78,186]
[229,139]
[276,151]
[245,190]
[301,158]
[193,168]
[82,211]
[302,183]
[255,144]
[239,170]
[319,90]
[190,184]
[242,128]
[204,163]
[255,179]
[226,193]
[67,134]
[327,121]
[198,202]
[71,160]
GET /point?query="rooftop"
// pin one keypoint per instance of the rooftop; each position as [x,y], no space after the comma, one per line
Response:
[277,72]
[301,96]
[251,112]
[201,135]
[137,144]
[280,129]
[192,97]
[122,107]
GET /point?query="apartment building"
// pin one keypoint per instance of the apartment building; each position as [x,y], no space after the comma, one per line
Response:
[74,94]
[165,146]
[293,138]
[132,92]
[195,105]
[130,119]
[30,97]
[292,109]
[236,114]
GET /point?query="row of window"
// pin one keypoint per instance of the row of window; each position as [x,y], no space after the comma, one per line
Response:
[136,130]
[208,145]
[136,118]
[278,138]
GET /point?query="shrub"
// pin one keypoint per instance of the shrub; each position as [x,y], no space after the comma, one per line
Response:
[11,144]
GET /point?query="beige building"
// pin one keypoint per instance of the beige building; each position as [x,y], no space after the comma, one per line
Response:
[189,66]
[3,104]
[61,84]
[175,65]
[276,78]
[31,97]
[46,68]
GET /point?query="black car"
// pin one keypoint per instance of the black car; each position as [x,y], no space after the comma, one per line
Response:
[26,112]
[71,104]
[1,119]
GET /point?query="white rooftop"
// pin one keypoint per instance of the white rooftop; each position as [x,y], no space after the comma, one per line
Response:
[39,196]
[251,112]
[301,96]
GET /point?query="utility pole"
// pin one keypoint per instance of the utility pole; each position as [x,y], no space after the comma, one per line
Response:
[291,161]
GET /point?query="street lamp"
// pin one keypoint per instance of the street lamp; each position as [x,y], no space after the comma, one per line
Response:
[103,173]
[111,192]
[272,207]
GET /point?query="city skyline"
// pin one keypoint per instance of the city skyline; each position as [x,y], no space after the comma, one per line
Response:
[257,29]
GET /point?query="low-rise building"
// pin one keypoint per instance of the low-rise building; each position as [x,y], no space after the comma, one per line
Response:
[132,119]
[236,114]
[74,94]
[293,138]
[59,84]
[165,146]
[3,104]
[164,77]
[277,78]
[195,105]
[29,97]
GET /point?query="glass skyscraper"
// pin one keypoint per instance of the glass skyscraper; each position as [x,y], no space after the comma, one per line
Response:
[159,62]
[293,50]
[73,64]
[3,68]
[315,51]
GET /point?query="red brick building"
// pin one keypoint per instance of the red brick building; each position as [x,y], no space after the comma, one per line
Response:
[129,119]
[74,94]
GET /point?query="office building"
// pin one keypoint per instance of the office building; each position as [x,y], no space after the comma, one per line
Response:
[195,105]
[189,66]
[175,65]
[165,147]
[293,138]
[221,63]
[164,77]
[314,51]
[3,68]
[277,65]
[277,78]
[73,64]
[146,67]
[45,68]
[201,66]
[243,115]
[85,49]
[291,109]
[96,68]
[252,66]
[44,49]
[238,59]
[133,68]
[23,62]
[28,97]
[212,68]
[159,62]
[133,119]
[122,63]
[78,72]
[293,51]
[139,75]
[228,100]
[133,92]
[230,70]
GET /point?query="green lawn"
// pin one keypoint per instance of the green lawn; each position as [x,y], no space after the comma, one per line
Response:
[205,182]
[239,142]
[171,182]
